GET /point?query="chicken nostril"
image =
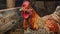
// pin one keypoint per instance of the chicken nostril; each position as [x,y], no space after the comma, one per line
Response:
[26,12]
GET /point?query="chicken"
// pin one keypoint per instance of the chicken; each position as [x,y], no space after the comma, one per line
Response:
[34,20]
[29,12]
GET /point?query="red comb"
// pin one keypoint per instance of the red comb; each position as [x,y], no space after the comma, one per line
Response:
[25,4]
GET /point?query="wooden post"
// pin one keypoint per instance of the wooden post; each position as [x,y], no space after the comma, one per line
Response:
[10,3]
[0,32]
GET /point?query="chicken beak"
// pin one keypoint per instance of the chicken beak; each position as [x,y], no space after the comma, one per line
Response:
[21,9]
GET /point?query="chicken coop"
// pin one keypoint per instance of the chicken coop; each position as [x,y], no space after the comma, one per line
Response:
[13,20]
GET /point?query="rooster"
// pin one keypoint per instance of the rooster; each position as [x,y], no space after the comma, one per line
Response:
[33,19]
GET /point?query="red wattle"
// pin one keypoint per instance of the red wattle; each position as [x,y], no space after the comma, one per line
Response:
[24,15]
